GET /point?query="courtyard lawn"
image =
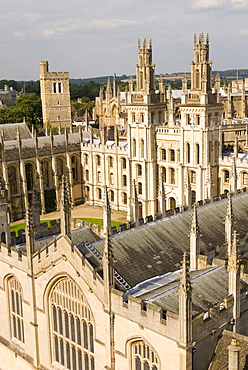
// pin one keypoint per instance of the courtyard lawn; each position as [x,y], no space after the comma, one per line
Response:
[96,221]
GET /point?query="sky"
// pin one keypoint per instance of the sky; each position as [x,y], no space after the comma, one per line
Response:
[98,38]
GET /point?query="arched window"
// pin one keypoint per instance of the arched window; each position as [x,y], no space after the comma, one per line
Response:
[87,175]
[143,357]
[197,79]
[210,148]
[111,162]
[163,154]
[124,163]
[12,178]
[98,160]
[142,151]
[124,180]
[74,168]
[172,176]
[193,196]
[45,173]
[3,237]
[226,176]
[60,168]
[87,192]
[187,153]
[163,174]
[99,176]
[29,176]
[86,159]
[139,170]
[139,187]
[172,155]
[197,153]
[99,193]
[124,198]
[134,147]
[71,327]
[16,311]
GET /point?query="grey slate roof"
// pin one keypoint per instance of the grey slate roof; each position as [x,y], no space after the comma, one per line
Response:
[9,131]
[220,359]
[157,247]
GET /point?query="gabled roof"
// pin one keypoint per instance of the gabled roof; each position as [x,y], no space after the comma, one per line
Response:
[156,248]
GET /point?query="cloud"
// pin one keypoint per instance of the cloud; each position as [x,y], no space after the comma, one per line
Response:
[239,3]
[244,32]
[209,4]
[90,24]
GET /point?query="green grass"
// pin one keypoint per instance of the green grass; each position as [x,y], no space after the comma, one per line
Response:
[96,221]
[99,221]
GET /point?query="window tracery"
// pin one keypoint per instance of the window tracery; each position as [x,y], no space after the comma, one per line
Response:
[16,310]
[71,327]
[143,357]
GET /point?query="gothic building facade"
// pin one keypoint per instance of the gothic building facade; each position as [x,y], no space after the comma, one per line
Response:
[167,149]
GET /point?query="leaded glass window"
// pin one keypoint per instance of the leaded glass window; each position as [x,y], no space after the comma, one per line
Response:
[16,311]
[143,357]
[72,329]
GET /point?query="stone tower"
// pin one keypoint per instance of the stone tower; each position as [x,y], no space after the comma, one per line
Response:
[55,97]
[200,125]
[145,111]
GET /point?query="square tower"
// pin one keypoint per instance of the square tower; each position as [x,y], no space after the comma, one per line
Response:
[55,97]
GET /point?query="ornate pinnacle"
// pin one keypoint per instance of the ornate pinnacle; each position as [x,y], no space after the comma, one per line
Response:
[30,225]
[195,39]
[144,44]
[185,284]
[194,223]
[65,193]
[233,262]
[229,211]
[150,44]
[139,44]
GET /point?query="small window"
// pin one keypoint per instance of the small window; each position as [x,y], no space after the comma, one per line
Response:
[124,180]
[124,198]
[99,193]
[59,87]
[98,160]
[112,196]
[124,163]
[226,176]
[111,178]
[172,155]
[140,188]
[111,162]
[245,178]
[54,87]
[163,174]
[87,175]
[99,176]
[86,159]
[139,170]
[192,177]
[163,154]
[172,176]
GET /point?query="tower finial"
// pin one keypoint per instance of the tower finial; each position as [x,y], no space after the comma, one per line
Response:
[144,44]
[138,44]
[150,44]
[195,39]
[106,212]
[185,284]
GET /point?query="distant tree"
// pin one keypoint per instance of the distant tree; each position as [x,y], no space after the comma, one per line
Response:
[89,106]
[27,107]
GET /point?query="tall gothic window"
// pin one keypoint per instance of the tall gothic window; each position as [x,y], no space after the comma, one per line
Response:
[45,173]
[72,328]
[29,176]
[172,155]
[143,357]
[60,168]
[163,154]
[74,168]
[197,153]
[187,153]
[142,151]
[134,147]
[12,177]
[16,311]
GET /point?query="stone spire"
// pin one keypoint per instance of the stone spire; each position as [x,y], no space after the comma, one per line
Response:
[108,277]
[229,224]
[162,196]
[5,214]
[30,235]
[135,204]
[115,86]
[217,83]
[209,182]
[187,188]
[36,212]
[185,315]
[130,83]
[108,89]
[194,240]
[234,281]
[233,179]
[65,208]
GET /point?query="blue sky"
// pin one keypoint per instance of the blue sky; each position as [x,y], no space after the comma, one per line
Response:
[95,38]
